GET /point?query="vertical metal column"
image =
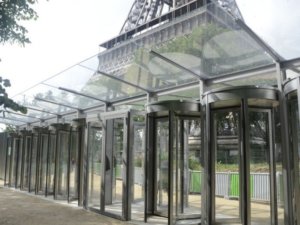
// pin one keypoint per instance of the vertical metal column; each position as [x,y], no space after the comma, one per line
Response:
[171,167]
[245,163]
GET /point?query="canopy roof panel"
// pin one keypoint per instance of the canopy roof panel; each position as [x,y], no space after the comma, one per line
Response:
[276,22]
[205,44]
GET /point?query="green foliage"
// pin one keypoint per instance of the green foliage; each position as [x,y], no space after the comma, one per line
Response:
[10,129]
[5,101]
[12,13]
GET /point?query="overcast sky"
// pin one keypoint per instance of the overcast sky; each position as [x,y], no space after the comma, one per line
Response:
[69,31]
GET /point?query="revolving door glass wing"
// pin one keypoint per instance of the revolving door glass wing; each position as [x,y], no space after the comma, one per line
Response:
[241,158]
[292,91]
[61,191]
[95,166]
[115,167]
[174,168]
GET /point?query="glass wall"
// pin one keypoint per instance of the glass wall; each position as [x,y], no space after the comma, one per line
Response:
[42,163]
[292,94]
[241,157]
[26,161]
[94,167]
[62,162]
[51,164]
[173,163]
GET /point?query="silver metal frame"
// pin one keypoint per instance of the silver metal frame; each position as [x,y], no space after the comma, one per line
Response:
[242,94]
[166,110]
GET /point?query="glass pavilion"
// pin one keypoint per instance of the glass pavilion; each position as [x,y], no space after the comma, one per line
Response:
[191,118]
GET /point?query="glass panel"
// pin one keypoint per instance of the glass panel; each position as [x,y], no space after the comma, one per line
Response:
[139,166]
[62,167]
[276,22]
[261,79]
[208,42]
[8,161]
[162,166]
[189,168]
[95,167]
[33,163]
[115,204]
[227,165]
[260,188]
[74,162]
[3,149]
[51,165]
[26,163]
[31,98]
[91,83]
[279,151]
[43,163]
[20,155]
[14,162]
[295,146]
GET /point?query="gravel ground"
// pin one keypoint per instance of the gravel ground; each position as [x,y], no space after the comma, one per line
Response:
[18,208]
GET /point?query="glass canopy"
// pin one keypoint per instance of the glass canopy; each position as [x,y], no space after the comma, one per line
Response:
[276,22]
[204,44]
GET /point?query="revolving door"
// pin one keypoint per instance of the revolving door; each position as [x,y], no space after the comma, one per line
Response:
[292,92]
[242,162]
[174,171]
[115,163]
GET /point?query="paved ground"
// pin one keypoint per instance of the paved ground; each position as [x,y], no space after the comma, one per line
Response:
[19,208]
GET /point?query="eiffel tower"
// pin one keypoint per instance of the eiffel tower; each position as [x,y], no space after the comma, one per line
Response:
[143,11]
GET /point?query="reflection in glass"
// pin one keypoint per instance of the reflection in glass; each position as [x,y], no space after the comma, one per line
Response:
[26,163]
[227,165]
[189,169]
[95,168]
[62,167]
[115,167]
[260,167]
[43,163]
[295,146]
[19,169]
[51,165]
[74,150]
[139,164]
[14,162]
[8,160]
[162,166]
[33,163]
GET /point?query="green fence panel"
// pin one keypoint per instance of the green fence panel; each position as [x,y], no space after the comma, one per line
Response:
[195,182]
[234,185]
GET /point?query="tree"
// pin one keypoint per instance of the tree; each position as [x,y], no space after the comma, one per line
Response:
[12,13]
[5,101]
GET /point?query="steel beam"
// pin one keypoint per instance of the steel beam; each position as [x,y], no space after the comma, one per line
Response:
[82,94]
[124,81]
[56,103]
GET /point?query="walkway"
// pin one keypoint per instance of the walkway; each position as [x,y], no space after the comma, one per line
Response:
[19,208]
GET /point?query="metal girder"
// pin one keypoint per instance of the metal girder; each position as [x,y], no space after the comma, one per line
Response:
[17,120]
[43,111]
[199,76]
[124,81]
[24,115]
[81,94]
[241,74]
[56,103]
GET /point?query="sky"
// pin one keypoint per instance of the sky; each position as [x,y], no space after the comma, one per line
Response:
[69,31]
[66,32]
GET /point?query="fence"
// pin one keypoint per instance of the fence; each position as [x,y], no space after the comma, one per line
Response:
[227,185]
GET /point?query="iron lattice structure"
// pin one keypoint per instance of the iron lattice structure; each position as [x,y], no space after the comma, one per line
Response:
[142,11]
